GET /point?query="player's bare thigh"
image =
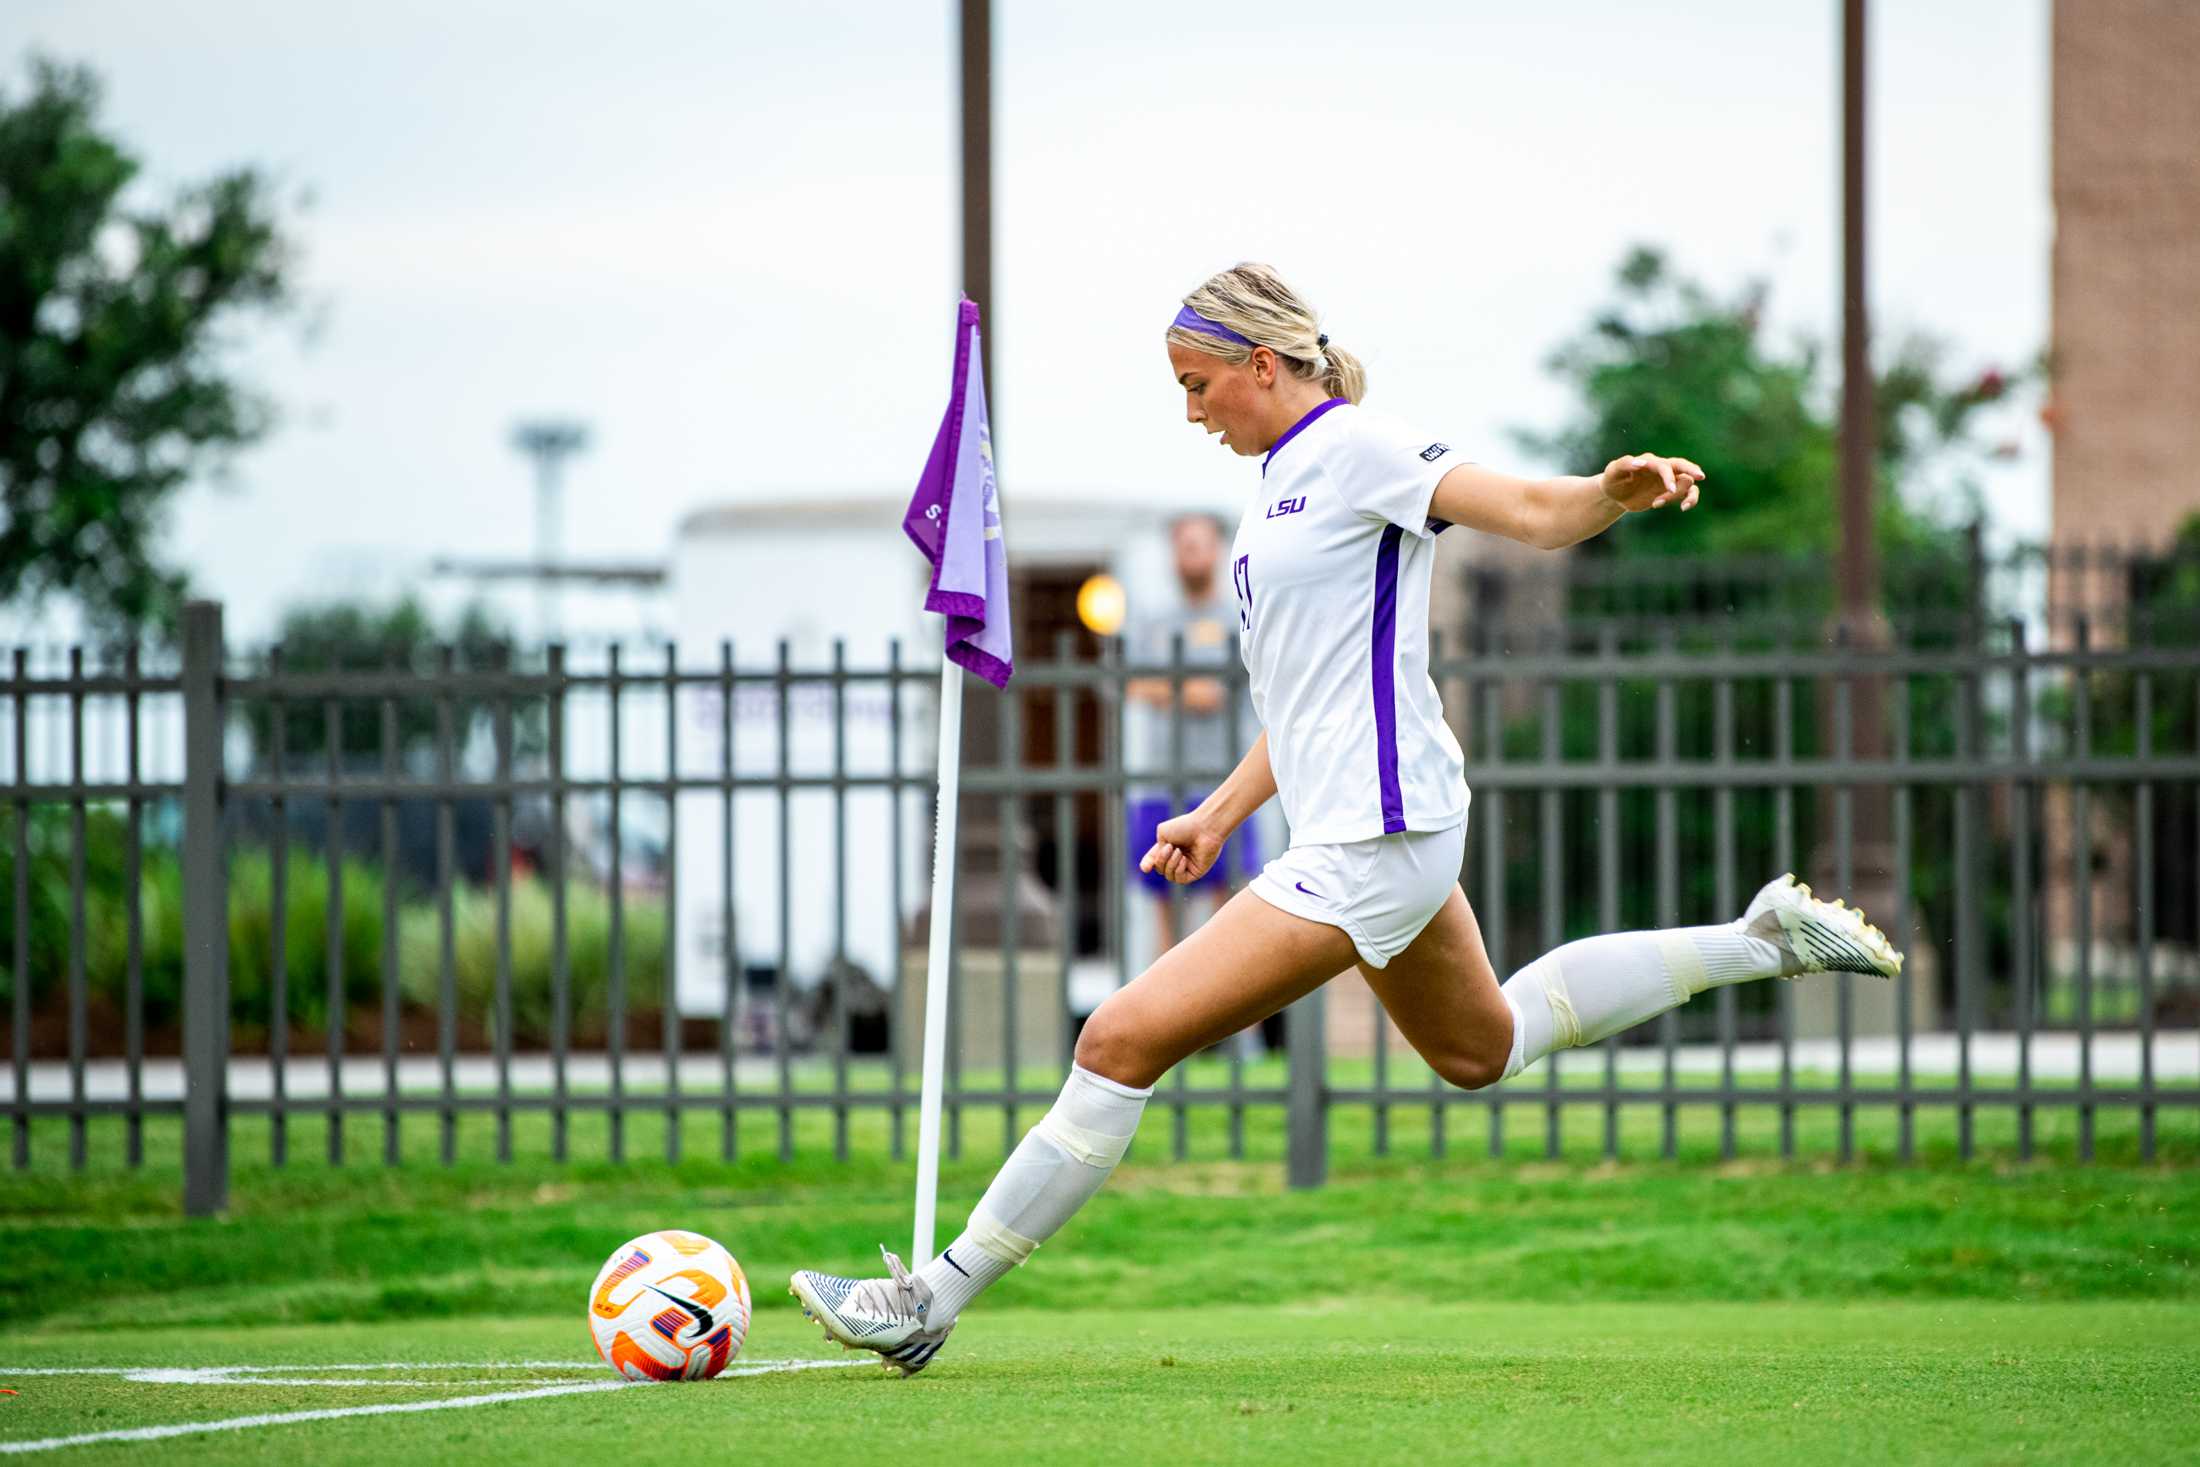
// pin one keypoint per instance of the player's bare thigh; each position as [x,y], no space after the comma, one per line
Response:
[1246,962]
[1442,993]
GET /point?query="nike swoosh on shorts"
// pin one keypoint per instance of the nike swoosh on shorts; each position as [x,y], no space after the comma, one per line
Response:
[1317,896]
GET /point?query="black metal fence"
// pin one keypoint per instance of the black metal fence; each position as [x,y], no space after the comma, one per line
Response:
[538,892]
[1935,594]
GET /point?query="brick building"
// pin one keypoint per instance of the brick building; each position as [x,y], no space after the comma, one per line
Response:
[2125,401]
[2126,145]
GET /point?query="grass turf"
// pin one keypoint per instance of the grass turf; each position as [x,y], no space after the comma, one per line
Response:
[1881,1382]
[1432,1300]
[488,1243]
[312,1242]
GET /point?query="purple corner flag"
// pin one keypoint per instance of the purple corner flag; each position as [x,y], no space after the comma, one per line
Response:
[955,519]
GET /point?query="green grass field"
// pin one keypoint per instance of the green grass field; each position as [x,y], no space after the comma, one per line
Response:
[1319,1382]
[1453,1308]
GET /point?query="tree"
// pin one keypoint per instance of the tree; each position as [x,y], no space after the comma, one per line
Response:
[113,388]
[346,636]
[1670,367]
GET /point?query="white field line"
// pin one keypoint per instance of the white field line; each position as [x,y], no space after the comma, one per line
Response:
[334,1413]
[246,1374]
[371,1382]
[249,1374]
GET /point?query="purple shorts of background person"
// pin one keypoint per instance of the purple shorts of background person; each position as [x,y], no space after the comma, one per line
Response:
[1240,852]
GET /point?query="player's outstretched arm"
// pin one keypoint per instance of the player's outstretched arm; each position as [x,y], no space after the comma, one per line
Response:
[1551,514]
[1186,846]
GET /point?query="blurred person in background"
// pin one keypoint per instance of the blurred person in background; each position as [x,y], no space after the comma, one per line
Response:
[1196,610]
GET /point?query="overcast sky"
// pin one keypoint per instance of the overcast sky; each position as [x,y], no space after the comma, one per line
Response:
[725,233]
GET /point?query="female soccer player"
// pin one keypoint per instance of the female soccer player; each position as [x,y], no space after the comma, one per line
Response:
[1331,569]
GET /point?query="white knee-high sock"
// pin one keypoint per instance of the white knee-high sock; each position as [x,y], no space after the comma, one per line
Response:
[1590,990]
[1052,1172]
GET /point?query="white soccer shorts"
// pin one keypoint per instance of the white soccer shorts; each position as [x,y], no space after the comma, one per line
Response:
[1380,892]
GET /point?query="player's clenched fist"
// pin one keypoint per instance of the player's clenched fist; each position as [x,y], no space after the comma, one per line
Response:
[1183,849]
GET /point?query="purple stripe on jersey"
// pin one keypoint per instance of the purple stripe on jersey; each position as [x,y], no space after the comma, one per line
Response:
[1296,429]
[1383,658]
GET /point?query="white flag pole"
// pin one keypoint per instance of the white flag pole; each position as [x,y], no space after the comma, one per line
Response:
[935,966]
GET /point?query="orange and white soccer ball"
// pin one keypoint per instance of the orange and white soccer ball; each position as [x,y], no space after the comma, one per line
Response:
[669,1306]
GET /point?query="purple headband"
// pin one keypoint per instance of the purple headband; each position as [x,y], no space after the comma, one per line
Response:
[1191,320]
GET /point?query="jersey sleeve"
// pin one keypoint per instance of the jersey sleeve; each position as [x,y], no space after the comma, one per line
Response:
[1389,472]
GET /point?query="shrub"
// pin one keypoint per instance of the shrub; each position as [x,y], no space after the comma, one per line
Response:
[306,935]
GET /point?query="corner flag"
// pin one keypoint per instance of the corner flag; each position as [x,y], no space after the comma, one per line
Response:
[955,519]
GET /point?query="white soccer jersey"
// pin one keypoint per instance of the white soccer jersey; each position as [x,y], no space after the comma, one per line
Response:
[1331,565]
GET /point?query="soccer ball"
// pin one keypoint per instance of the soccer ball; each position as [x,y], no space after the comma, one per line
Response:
[669,1306]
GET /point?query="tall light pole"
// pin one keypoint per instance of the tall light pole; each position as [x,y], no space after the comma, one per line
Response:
[549,442]
[976,37]
[1859,565]
[1856,821]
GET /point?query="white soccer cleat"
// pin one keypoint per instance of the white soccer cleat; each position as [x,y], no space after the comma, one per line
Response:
[1815,936]
[886,1315]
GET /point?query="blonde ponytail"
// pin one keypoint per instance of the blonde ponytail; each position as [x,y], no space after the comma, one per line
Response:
[1253,302]
[1345,378]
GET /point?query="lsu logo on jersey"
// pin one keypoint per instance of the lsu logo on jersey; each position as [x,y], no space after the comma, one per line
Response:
[1283,507]
[1434,452]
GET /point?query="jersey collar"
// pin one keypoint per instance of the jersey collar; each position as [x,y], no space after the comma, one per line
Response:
[1296,429]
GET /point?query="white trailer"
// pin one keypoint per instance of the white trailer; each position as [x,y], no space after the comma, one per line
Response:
[808,571]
